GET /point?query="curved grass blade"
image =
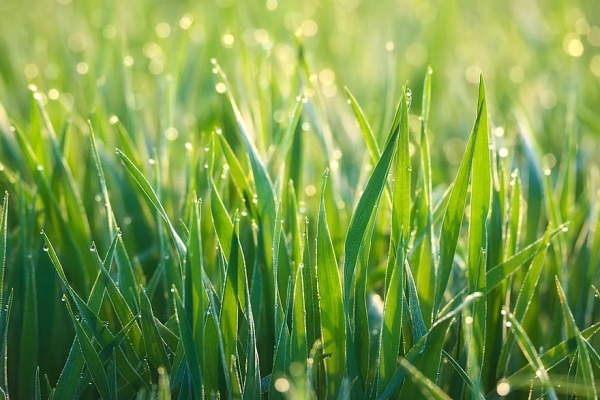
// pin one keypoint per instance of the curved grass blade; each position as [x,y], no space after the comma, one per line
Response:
[365,127]
[150,194]
[426,353]
[331,303]
[531,354]
[428,388]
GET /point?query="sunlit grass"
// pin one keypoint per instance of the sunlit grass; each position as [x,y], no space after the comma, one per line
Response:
[229,200]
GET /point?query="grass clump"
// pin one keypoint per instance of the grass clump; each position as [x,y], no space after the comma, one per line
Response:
[255,235]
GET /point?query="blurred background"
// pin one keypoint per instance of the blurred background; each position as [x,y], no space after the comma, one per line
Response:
[535,57]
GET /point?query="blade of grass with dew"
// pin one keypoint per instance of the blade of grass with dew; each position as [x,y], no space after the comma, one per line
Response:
[497,274]
[125,268]
[151,196]
[391,330]
[402,182]
[428,388]
[4,312]
[331,303]
[584,365]
[365,127]
[191,353]
[228,317]
[235,169]
[418,323]
[153,342]
[425,352]
[479,210]
[453,216]
[531,354]
[526,294]
[223,224]
[365,209]
[426,271]
[195,269]
[459,369]
[91,358]
[298,344]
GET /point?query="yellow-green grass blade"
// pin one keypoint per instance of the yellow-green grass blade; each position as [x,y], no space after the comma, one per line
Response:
[584,364]
[453,216]
[331,302]
[425,273]
[365,127]
[479,210]
[531,354]
[401,225]
[428,388]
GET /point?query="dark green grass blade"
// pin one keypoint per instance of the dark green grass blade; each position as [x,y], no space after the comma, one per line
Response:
[191,353]
[91,358]
[584,364]
[333,323]
[425,352]
[153,342]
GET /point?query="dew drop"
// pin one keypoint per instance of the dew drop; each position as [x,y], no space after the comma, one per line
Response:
[45,248]
[62,299]
[93,247]
[77,317]
[172,290]
[503,388]
[565,229]
[119,232]
[503,312]
[206,166]
[508,324]
[206,149]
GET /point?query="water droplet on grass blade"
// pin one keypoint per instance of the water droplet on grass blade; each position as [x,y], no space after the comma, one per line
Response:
[45,247]
[503,388]
[93,247]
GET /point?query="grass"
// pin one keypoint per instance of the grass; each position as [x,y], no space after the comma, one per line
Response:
[221,200]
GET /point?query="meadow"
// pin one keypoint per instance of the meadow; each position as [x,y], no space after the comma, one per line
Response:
[317,199]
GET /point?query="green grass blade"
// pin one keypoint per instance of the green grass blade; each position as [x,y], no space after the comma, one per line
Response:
[151,196]
[531,354]
[333,324]
[480,208]
[365,127]
[191,353]
[584,364]
[91,358]
[453,217]
[365,209]
[428,388]
[426,353]
[390,335]
[401,225]
[155,349]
